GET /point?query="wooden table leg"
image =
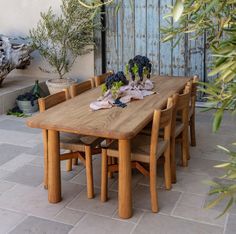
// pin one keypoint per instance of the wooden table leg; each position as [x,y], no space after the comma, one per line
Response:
[54,175]
[125,188]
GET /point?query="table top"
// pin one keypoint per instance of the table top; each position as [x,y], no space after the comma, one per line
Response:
[75,115]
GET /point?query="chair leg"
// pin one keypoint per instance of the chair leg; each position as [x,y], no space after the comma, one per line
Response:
[110,174]
[192,130]
[172,161]
[104,176]
[167,169]
[45,148]
[69,165]
[75,161]
[89,172]
[185,147]
[153,189]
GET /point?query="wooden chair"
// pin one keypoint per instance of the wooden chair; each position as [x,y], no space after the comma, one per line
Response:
[81,147]
[192,110]
[145,149]
[101,78]
[179,129]
[79,88]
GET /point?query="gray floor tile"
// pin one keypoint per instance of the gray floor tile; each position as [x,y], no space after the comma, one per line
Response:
[36,150]
[137,214]
[69,216]
[9,219]
[202,166]
[13,125]
[191,183]
[8,152]
[17,162]
[34,225]
[166,199]
[31,200]
[231,225]
[162,224]
[5,186]
[81,177]
[27,175]
[19,138]
[190,207]
[93,224]
[94,205]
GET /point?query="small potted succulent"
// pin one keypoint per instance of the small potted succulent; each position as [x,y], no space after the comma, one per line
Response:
[60,39]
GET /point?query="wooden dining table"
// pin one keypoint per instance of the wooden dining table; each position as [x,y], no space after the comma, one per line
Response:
[122,124]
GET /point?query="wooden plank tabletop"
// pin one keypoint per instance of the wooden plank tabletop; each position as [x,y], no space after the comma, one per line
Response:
[75,116]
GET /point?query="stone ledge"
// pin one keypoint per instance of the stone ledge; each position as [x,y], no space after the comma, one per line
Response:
[14,86]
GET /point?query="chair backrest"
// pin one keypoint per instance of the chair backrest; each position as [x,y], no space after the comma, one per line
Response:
[77,89]
[101,79]
[182,104]
[52,100]
[194,93]
[161,119]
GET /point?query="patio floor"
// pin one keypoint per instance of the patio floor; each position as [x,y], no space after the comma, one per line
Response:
[23,201]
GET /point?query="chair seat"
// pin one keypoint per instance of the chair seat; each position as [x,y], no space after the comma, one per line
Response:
[140,148]
[77,142]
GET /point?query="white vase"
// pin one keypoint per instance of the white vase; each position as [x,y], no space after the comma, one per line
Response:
[57,85]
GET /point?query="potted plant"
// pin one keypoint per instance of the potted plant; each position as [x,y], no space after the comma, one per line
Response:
[60,39]
[27,103]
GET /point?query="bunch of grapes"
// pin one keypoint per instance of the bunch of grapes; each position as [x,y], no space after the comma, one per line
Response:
[27,97]
[115,78]
[143,66]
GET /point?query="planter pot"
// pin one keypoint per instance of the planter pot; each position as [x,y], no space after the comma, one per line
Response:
[57,85]
[26,107]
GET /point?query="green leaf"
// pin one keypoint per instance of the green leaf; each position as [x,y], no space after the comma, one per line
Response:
[178,10]
[222,165]
[217,120]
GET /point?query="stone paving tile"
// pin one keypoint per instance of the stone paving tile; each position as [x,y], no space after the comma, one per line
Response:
[93,224]
[191,183]
[9,151]
[13,125]
[4,173]
[136,216]
[36,150]
[81,177]
[37,225]
[202,167]
[69,216]
[34,200]
[162,224]
[17,162]
[18,138]
[82,203]
[231,225]
[9,219]
[166,199]
[5,186]
[189,208]
[27,175]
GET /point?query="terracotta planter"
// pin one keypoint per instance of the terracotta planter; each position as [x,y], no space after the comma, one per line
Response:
[57,85]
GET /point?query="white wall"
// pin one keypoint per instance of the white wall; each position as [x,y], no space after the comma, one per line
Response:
[18,16]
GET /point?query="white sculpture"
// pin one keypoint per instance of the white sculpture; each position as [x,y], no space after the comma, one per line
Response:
[12,56]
